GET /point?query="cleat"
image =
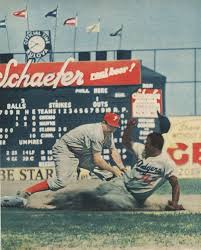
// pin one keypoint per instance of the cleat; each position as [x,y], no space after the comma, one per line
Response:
[13,201]
[23,194]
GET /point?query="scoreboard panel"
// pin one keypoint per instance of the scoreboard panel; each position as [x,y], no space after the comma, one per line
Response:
[33,119]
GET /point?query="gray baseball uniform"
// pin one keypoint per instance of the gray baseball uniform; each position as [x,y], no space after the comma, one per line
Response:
[75,149]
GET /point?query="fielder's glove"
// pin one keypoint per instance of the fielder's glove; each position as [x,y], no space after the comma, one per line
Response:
[170,207]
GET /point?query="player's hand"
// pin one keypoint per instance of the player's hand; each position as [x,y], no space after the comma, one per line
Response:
[132,122]
[117,172]
[171,207]
[124,169]
[84,174]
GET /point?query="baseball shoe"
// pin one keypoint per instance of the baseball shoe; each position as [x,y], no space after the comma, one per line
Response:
[23,194]
[13,201]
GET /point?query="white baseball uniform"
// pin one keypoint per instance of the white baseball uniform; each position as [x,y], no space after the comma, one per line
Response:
[75,149]
[145,177]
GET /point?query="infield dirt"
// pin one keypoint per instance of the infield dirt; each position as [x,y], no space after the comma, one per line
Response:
[84,196]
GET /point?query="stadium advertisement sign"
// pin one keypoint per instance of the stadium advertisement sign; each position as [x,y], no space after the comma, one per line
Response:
[26,174]
[145,102]
[183,143]
[69,73]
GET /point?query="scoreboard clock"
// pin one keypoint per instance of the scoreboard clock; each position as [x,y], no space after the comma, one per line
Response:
[37,44]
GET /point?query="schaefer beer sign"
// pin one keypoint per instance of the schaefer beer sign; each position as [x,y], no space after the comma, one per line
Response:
[69,73]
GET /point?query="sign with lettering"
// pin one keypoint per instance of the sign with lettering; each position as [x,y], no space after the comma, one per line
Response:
[37,44]
[145,103]
[39,102]
[69,73]
[26,174]
[183,143]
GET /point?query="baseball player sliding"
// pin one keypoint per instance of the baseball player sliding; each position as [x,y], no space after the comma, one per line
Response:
[153,167]
[81,148]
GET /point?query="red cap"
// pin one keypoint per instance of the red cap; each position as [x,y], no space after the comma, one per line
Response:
[112,119]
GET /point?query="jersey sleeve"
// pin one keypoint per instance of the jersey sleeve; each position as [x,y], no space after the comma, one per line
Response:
[170,168]
[138,149]
[96,138]
[96,146]
[112,142]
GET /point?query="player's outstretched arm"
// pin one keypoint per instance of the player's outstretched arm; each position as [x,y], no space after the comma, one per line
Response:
[117,159]
[101,163]
[127,135]
[173,204]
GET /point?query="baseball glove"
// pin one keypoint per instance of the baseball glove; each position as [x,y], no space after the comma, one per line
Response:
[170,207]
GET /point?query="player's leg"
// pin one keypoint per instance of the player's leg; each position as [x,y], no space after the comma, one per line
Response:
[38,187]
[66,165]
[65,169]
[114,195]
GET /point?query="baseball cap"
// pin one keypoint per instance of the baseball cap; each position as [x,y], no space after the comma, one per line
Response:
[112,119]
[164,123]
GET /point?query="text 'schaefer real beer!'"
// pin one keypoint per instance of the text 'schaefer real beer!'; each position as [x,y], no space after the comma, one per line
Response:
[69,73]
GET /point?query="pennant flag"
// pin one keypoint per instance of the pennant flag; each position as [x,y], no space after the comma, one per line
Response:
[3,23]
[20,13]
[117,33]
[52,13]
[93,28]
[71,21]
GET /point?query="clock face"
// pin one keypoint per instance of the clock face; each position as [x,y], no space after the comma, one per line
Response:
[36,44]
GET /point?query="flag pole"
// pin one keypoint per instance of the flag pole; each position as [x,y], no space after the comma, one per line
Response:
[75,34]
[7,35]
[27,16]
[55,33]
[97,39]
[120,37]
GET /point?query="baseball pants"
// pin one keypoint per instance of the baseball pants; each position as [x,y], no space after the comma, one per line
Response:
[66,164]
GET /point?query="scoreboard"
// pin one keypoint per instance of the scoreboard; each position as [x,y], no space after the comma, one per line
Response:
[41,102]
